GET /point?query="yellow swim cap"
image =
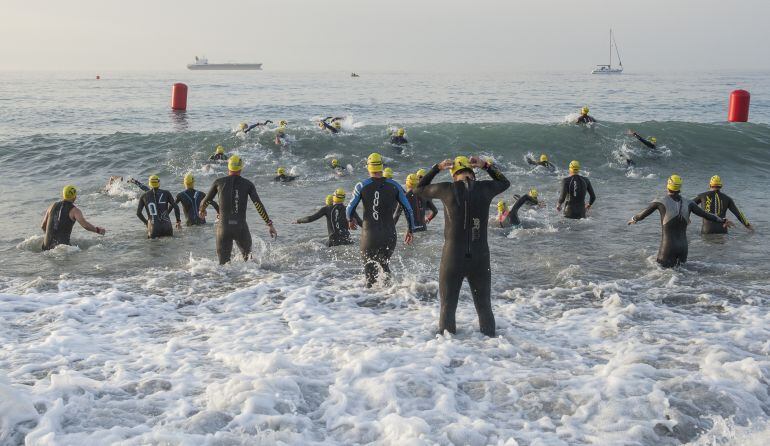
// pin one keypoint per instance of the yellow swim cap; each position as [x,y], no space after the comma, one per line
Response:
[574,166]
[329,199]
[674,183]
[461,163]
[337,125]
[283,123]
[400,132]
[69,192]
[374,163]
[220,149]
[543,158]
[388,172]
[335,163]
[411,180]
[189,180]
[235,164]
[420,173]
[653,140]
[154,181]
[533,193]
[321,124]
[715,181]
[281,171]
[243,126]
[584,110]
[501,206]
[339,195]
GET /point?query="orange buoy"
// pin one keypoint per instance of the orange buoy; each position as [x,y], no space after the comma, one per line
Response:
[738,110]
[179,96]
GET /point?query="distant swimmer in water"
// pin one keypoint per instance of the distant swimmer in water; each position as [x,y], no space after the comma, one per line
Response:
[388,173]
[511,217]
[717,202]
[419,205]
[281,177]
[234,191]
[191,200]
[337,168]
[398,138]
[502,214]
[336,220]
[542,162]
[61,216]
[334,126]
[650,143]
[379,196]
[585,118]
[219,154]
[246,128]
[157,203]
[674,218]
[466,251]
[280,132]
[574,189]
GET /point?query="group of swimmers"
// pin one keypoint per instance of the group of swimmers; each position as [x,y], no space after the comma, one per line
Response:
[466,201]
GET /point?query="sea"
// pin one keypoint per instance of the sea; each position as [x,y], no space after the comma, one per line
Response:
[123,340]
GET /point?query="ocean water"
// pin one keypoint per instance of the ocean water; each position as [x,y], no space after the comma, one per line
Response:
[124,340]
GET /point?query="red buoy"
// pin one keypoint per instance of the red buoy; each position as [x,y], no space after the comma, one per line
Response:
[739,106]
[179,96]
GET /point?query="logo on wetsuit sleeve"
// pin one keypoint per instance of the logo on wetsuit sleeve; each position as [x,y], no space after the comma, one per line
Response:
[476,230]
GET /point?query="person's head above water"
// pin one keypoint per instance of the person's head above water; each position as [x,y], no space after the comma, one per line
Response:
[461,169]
[674,184]
[653,140]
[339,196]
[189,181]
[584,110]
[374,165]
[243,126]
[543,158]
[387,172]
[411,181]
[220,150]
[533,193]
[329,199]
[337,125]
[715,182]
[400,132]
[335,163]
[153,181]
[501,206]
[574,167]
[282,123]
[234,165]
[420,173]
[280,171]
[69,193]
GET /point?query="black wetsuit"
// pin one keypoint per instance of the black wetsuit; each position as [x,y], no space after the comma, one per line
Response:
[329,127]
[378,238]
[546,164]
[157,203]
[647,143]
[259,124]
[218,157]
[674,218]
[138,184]
[466,251]
[418,207]
[234,191]
[336,223]
[283,178]
[398,140]
[716,202]
[58,227]
[574,189]
[513,215]
[585,119]
[191,201]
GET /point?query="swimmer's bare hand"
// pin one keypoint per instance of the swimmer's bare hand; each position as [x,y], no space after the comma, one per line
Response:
[558,208]
[446,164]
[478,162]
[271,230]
[408,238]
[631,222]
[352,225]
[202,214]
[728,224]
[179,225]
[588,207]
[101,231]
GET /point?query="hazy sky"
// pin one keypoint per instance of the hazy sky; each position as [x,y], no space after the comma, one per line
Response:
[397,35]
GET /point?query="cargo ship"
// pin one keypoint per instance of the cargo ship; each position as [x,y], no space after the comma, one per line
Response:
[201,63]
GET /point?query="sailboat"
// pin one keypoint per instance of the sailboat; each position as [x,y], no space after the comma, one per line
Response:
[608,69]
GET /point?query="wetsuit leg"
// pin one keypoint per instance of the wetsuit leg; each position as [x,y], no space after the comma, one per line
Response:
[243,241]
[224,244]
[480,281]
[370,267]
[161,229]
[450,279]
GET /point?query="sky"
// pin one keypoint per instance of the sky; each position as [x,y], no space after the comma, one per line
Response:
[393,36]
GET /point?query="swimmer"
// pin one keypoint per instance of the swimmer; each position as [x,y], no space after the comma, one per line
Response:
[511,217]
[542,162]
[336,220]
[388,173]
[157,203]
[334,126]
[585,118]
[717,202]
[219,154]
[234,191]
[281,177]
[418,206]
[191,200]
[398,138]
[573,190]
[247,128]
[466,252]
[379,197]
[674,218]
[337,168]
[61,216]
[280,132]
[649,143]
[136,183]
